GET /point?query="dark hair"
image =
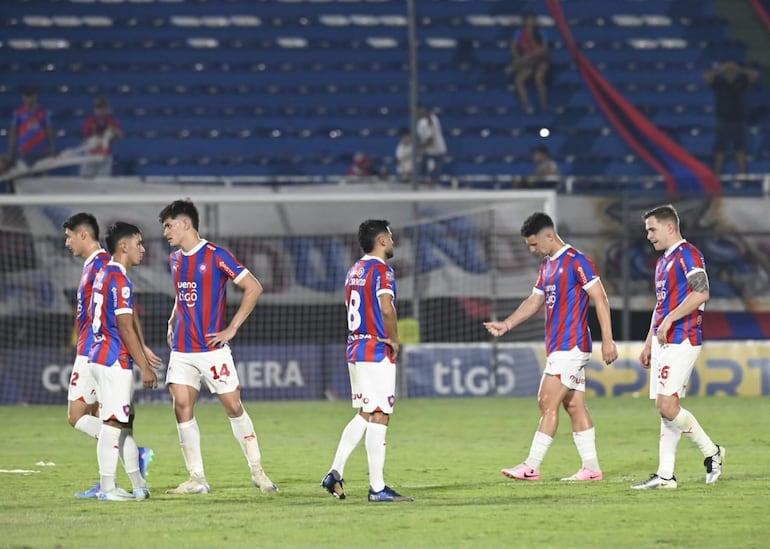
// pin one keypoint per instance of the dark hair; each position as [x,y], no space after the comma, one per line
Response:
[180,207]
[117,232]
[536,223]
[28,91]
[542,149]
[80,219]
[368,231]
[666,212]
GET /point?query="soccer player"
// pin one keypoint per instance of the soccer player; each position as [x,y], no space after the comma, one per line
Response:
[566,281]
[115,350]
[198,336]
[372,349]
[82,239]
[673,344]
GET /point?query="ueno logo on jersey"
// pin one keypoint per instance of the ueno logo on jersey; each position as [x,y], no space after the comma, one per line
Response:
[660,290]
[187,292]
[550,295]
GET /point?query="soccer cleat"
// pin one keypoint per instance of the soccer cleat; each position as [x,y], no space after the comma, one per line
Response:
[656,483]
[91,493]
[585,474]
[387,495]
[262,481]
[714,465]
[146,456]
[118,494]
[334,484]
[141,493]
[522,472]
[195,485]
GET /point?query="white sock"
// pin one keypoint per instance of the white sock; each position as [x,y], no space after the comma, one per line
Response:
[692,430]
[89,425]
[540,444]
[190,441]
[375,452]
[243,431]
[107,452]
[585,441]
[669,440]
[351,436]
[129,454]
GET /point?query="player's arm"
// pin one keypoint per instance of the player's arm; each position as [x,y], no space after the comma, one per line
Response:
[390,319]
[698,282]
[524,311]
[152,358]
[646,356]
[252,289]
[170,327]
[130,339]
[602,303]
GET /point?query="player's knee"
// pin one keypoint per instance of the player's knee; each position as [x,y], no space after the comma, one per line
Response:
[667,410]
[73,417]
[379,417]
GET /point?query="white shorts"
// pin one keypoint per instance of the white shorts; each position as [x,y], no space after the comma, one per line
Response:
[569,367]
[82,384]
[215,367]
[670,367]
[115,387]
[373,386]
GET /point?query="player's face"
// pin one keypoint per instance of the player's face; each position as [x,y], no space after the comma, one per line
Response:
[390,244]
[74,242]
[540,244]
[174,230]
[659,234]
[134,248]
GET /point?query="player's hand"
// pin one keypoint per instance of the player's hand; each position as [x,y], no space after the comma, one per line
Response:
[496,328]
[609,352]
[646,356]
[152,358]
[663,330]
[170,337]
[220,339]
[149,378]
[392,344]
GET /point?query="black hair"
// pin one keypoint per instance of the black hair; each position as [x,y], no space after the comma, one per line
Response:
[666,212]
[117,232]
[368,232]
[180,207]
[82,219]
[536,223]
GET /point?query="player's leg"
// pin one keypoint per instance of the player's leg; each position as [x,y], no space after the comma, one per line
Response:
[223,380]
[82,408]
[130,456]
[184,381]
[584,435]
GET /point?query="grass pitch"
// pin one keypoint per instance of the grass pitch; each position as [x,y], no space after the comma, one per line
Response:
[445,453]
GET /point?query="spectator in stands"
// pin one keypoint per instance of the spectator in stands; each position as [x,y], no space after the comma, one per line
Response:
[100,129]
[362,166]
[529,59]
[431,146]
[545,166]
[31,136]
[405,156]
[729,82]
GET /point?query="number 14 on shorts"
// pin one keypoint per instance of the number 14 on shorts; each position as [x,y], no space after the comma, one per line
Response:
[224,371]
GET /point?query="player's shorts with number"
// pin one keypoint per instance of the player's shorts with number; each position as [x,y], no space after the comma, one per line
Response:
[82,384]
[373,386]
[671,366]
[216,368]
[569,367]
[115,387]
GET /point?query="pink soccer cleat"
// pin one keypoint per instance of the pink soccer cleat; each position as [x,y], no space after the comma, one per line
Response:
[522,472]
[586,474]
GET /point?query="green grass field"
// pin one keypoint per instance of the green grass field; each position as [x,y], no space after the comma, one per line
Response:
[445,453]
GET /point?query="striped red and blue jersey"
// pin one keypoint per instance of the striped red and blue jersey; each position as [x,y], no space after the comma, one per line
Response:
[368,279]
[562,280]
[200,279]
[673,269]
[95,262]
[112,296]
[31,130]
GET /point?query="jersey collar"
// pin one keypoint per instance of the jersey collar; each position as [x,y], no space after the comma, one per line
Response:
[118,265]
[559,252]
[197,247]
[367,257]
[93,255]
[673,247]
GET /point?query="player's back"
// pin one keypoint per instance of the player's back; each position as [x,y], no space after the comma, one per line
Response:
[112,296]
[672,288]
[368,279]
[91,267]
